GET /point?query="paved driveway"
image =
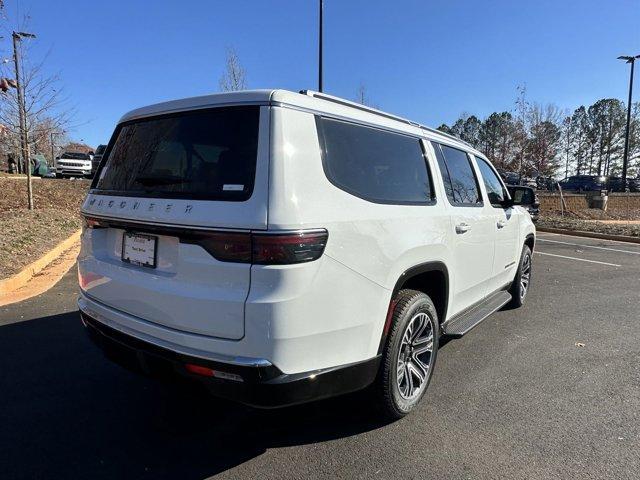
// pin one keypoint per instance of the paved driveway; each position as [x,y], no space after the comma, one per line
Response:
[548,391]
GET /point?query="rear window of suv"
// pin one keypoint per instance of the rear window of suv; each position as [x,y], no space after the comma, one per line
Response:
[202,154]
[376,165]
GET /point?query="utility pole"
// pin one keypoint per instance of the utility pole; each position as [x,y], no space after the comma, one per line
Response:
[320,48]
[24,140]
[625,158]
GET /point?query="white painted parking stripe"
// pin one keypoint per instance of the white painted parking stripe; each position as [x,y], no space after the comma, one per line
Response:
[578,259]
[589,246]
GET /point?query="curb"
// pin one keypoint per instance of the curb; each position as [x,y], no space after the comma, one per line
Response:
[581,233]
[21,278]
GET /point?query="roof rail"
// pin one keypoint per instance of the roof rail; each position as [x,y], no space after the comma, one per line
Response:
[359,106]
[448,135]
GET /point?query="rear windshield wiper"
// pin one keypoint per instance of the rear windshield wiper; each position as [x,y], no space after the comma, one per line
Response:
[150,180]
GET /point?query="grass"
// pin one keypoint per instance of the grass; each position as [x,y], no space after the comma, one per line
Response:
[26,235]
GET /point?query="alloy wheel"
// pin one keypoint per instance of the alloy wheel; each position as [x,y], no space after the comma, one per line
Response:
[525,276]
[415,356]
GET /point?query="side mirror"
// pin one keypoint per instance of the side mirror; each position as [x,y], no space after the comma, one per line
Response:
[507,203]
[521,195]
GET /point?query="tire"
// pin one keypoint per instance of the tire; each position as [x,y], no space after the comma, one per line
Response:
[522,281]
[409,354]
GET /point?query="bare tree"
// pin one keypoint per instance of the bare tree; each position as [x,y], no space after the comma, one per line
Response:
[234,76]
[45,108]
[634,140]
[520,128]
[543,138]
[362,94]
[363,98]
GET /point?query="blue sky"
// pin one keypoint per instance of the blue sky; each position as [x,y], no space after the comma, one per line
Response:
[427,60]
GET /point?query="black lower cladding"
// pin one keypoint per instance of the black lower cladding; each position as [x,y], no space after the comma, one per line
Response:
[264,387]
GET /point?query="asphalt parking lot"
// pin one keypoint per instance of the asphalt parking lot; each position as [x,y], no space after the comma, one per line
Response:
[548,391]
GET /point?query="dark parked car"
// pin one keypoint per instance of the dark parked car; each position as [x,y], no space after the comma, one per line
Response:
[584,183]
[526,197]
[546,183]
[615,185]
[514,178]
[97,156]
[510,178]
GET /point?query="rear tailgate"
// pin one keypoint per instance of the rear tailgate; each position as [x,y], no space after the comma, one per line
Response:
[165,178]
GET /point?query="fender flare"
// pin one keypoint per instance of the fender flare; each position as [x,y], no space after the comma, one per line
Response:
[433,266]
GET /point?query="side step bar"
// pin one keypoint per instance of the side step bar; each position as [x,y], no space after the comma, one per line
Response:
[459,325]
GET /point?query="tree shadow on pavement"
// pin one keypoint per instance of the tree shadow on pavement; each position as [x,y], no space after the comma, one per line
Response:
[67,412]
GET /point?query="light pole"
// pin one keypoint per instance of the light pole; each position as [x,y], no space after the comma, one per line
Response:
[17,36]
[625,158]
[321,2]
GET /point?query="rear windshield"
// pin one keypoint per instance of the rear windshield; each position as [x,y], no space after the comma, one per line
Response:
[202,154]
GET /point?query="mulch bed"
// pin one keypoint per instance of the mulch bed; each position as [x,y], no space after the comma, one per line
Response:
[573,222]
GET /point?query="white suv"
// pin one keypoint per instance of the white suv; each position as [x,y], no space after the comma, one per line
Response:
[283,247]
[73,164]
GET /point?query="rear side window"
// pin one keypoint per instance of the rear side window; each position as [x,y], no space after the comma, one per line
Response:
[202,155]
[373,164]
[460,182]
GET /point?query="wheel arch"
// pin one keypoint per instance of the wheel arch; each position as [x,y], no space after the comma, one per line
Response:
[530,241]
[431,278]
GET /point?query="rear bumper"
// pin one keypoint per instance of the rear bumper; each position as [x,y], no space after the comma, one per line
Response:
[260,386]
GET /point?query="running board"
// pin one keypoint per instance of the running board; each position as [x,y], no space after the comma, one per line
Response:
[459,325]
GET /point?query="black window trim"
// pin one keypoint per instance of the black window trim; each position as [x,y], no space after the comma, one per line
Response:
[418,138]
[172,195]
[480,204]
[493,169]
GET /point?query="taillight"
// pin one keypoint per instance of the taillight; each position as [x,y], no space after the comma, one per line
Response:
[227,247]
[277,248]
[90,222]
[199,370]
[287,248]
[263,249]
[210,372]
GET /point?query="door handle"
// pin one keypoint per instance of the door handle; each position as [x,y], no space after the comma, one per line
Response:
[462,228]
[502,223]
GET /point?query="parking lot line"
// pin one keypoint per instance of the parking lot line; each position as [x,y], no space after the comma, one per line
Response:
[589,246]
[566,235]
[578,259]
